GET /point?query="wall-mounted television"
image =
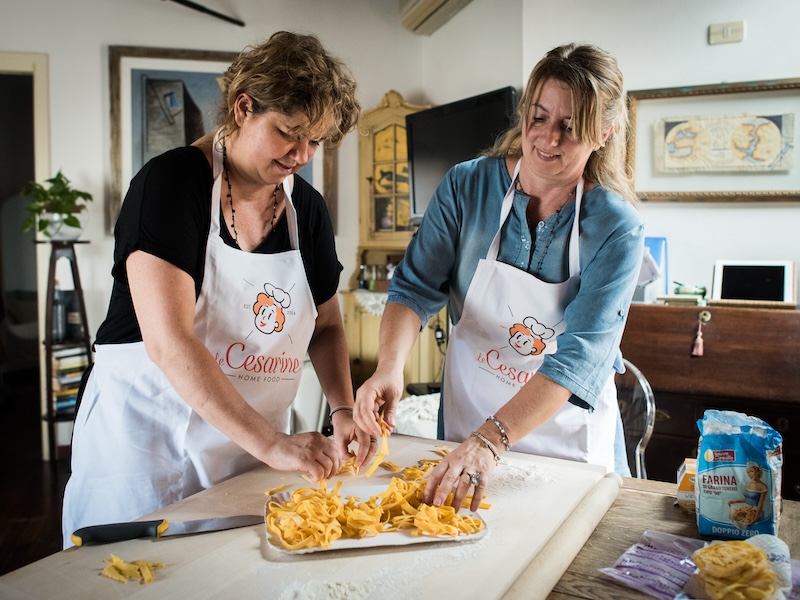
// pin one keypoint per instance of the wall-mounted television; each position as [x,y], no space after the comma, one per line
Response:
[445,135]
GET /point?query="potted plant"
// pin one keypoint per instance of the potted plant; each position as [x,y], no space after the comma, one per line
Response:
[54,210]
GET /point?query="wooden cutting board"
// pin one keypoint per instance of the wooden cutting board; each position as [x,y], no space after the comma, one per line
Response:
[542,512]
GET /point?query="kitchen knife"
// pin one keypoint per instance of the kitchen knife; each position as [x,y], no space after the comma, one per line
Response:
[117,532]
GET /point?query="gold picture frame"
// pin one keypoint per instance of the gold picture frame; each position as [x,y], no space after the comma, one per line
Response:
[757,97]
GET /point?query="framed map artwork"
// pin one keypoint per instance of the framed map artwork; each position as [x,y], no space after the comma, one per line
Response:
[727,142]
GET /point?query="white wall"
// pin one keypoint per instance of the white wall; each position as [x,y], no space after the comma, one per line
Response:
[76,36]
[488,45]
[479,50]
[664,44]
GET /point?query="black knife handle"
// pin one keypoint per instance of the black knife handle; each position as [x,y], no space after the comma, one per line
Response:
[117,532]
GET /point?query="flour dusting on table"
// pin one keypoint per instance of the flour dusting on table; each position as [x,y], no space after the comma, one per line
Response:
[511,477]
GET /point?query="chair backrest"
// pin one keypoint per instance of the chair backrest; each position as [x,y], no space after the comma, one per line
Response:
[637,406]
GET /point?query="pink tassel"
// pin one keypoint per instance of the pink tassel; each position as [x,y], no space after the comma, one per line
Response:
[697,349]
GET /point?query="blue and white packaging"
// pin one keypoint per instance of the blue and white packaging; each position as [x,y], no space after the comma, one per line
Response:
[738,483]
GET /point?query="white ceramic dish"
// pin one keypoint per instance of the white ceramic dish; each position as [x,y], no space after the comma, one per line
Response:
[392,538]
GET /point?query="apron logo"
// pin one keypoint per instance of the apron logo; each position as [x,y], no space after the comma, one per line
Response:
[528,338]
[269,309]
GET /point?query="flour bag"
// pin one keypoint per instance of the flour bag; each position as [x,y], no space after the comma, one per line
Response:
[738,483]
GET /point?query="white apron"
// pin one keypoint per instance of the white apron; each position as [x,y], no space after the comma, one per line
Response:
[511,320]
[137,445]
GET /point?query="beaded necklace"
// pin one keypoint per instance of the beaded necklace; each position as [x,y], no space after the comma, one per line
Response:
[230,198]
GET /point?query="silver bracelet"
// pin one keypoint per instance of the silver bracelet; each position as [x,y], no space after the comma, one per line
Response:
[487,444]
[338,408]
[503,435]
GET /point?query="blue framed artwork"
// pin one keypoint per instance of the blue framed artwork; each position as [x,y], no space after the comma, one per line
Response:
[160,99]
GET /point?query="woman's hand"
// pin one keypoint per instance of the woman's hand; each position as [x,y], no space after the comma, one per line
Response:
[311,452]
[380,393]
[346,431]
[457,472]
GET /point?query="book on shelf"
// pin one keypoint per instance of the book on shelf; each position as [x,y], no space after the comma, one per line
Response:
[66,411]
[71,361]
[65,401]
[70,372]
[65,382]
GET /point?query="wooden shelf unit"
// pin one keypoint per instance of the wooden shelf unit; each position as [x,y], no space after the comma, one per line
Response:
[80,343]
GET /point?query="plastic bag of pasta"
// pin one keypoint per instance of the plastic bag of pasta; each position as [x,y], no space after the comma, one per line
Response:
[738,483]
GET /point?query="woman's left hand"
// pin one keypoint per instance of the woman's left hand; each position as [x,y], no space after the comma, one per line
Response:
[346,431]
[459,472]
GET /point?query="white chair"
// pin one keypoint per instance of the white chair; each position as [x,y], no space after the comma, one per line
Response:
[637,406]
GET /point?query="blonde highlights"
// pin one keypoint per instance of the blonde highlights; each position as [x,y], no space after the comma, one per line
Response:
[599,104]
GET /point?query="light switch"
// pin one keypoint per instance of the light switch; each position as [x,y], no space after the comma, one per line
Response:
[726,33]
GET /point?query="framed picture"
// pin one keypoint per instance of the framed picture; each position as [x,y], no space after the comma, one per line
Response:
[755,281]
[321,173]
[160,99]
[711,143]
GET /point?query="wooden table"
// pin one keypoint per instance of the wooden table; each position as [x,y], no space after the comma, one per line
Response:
[642,505]
[536,526]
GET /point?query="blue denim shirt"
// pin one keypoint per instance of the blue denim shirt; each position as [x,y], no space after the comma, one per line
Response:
[455,234]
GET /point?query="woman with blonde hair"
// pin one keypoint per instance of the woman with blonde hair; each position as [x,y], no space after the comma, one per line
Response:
[543,228]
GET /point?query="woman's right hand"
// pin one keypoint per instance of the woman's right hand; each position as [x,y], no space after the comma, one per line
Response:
[380,393]
[311,452]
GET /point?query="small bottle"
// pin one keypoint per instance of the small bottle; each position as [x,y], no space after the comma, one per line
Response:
[74,324]
[59,315]
[362,277]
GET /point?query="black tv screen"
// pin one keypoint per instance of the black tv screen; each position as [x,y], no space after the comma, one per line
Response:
[445,135]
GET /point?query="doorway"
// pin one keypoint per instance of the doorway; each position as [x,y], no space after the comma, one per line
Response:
[24,155]
[19,331]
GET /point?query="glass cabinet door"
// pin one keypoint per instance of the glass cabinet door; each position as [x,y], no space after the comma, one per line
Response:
[385,204]
[389,190]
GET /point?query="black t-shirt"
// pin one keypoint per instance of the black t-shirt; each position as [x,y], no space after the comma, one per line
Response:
[167,213]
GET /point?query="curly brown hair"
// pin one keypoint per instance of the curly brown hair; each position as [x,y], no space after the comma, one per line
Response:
[292,73]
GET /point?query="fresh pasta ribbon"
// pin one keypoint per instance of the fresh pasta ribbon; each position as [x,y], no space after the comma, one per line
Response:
[384,448]
[122,571]
[282,486]
[735,569]
[316,518]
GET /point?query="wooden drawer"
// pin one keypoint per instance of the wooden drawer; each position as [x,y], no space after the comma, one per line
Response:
[664,455]
[677,415]
[748,352]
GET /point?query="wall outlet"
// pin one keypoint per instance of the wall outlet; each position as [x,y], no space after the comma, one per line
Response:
[726,33]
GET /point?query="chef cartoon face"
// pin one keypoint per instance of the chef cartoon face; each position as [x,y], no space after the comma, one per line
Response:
[269,308]
[527,338]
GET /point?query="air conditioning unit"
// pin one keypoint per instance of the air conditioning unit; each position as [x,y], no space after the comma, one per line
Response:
[426,16]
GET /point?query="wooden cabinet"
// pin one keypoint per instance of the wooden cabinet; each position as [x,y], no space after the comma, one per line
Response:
[750,363]
[68,349]
[383,190]
[385,229]
[361,328]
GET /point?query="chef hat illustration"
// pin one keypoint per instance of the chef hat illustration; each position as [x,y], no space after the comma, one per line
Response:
[539,330]
[280,296]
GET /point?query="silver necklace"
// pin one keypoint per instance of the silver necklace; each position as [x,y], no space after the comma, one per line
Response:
[230,198]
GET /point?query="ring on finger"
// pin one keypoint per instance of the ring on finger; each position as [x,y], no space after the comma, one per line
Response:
[475,479]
